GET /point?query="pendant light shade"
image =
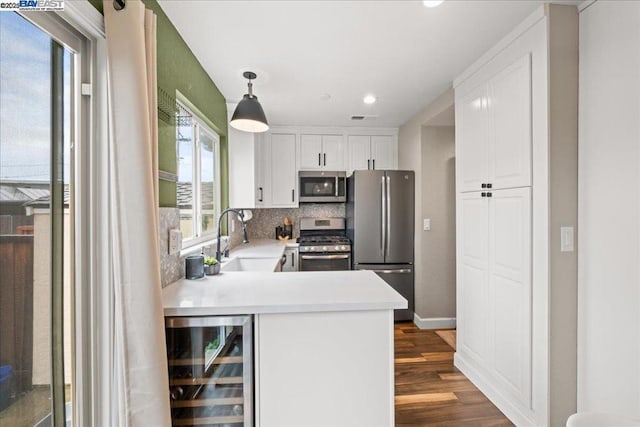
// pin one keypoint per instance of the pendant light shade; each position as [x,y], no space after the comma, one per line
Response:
[249,115]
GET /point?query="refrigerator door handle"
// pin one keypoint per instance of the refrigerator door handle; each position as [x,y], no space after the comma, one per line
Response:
[383,230]
[388,216]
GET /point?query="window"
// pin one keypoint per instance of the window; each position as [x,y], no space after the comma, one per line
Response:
[198,187]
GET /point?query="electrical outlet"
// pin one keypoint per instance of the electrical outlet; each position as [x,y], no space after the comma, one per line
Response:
[175,241]
[426,224]
[566,239]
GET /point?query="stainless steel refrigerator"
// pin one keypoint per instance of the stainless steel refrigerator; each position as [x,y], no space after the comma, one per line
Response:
[380,224]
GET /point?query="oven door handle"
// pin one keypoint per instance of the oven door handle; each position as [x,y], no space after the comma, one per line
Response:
[325,256]
[400,270]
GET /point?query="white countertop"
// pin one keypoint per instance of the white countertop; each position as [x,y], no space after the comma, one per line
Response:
[262,248]
[288,292]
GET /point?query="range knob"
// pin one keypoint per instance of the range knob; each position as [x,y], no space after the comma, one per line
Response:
[324,248]
[312,249]
[344,248]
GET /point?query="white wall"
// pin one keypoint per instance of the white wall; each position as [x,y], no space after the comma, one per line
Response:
[410,150]
[439,205]
[609,209]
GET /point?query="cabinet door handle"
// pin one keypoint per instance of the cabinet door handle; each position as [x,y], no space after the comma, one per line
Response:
[374,164]
[325,159]
[319,159]
[261,194]
[489,185]
[368,163]
[483,194]
[293,195]
[293,259]
[489,194]
[483,185]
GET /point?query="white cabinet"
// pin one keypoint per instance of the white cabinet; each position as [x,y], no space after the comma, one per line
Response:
[516,141]
[510,290]
[371,152]
[472,139]
[494,286]
[281,173]
[310,371]
[472,275]
[291,259]
[359,152]
[493,129]
[383,152]
[321,152]
[246,168]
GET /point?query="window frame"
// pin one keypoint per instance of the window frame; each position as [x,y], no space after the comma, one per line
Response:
[198,125]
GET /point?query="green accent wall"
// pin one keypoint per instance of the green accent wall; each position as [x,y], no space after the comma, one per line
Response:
[180,71]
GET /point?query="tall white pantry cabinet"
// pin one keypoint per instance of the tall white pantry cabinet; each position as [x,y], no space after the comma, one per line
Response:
[516,184]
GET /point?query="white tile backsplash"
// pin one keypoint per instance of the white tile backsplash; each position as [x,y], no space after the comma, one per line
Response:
[264,222]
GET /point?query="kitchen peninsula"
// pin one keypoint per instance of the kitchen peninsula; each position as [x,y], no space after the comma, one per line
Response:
[323,341]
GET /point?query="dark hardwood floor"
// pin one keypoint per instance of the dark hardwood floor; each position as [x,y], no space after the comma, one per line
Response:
[430,391]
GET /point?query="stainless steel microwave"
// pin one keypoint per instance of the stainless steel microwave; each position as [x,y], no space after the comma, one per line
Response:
[322,187]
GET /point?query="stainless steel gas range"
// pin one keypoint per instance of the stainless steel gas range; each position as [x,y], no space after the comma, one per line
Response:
[323,245]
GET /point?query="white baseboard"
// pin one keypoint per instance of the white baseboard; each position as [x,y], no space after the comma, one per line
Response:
[434,322]
[510,409]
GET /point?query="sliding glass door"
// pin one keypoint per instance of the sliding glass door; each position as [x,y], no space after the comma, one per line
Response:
[39,101]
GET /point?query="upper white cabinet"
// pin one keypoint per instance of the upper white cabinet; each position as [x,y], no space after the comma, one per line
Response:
[321,152]
[493,130]
[246,171]
[372,152]
[383,152]
[359,152]
[282,173]
[509,106]
[263,167]
[472,139]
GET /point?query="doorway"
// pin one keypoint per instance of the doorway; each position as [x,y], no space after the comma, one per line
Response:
[39,131]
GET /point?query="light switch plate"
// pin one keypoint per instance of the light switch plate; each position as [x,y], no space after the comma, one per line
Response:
[566,239]
[175,241]
[426,224]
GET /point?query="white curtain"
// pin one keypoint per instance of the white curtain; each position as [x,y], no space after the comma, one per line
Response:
[140,390]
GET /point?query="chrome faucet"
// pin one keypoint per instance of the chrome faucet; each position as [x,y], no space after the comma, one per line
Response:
[240,215]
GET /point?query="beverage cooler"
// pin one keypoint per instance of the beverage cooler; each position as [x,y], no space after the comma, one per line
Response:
[210,370]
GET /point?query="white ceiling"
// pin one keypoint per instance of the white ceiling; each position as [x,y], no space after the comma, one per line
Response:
[404,53]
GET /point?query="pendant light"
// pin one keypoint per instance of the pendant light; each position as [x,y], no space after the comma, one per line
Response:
[249,115]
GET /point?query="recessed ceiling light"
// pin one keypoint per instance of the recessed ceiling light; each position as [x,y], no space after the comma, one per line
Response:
[325,97]
[432,3]
[369,99]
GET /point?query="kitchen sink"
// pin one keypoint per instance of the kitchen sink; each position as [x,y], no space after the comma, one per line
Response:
[238,264]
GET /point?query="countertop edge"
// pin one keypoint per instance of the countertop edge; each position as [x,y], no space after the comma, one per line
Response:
[310,308]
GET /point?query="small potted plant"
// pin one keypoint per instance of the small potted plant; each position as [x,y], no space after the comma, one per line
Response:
[211,266]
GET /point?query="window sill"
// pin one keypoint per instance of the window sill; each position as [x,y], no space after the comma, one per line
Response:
[197,245]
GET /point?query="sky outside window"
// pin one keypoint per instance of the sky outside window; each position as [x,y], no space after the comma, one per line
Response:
[25,101]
